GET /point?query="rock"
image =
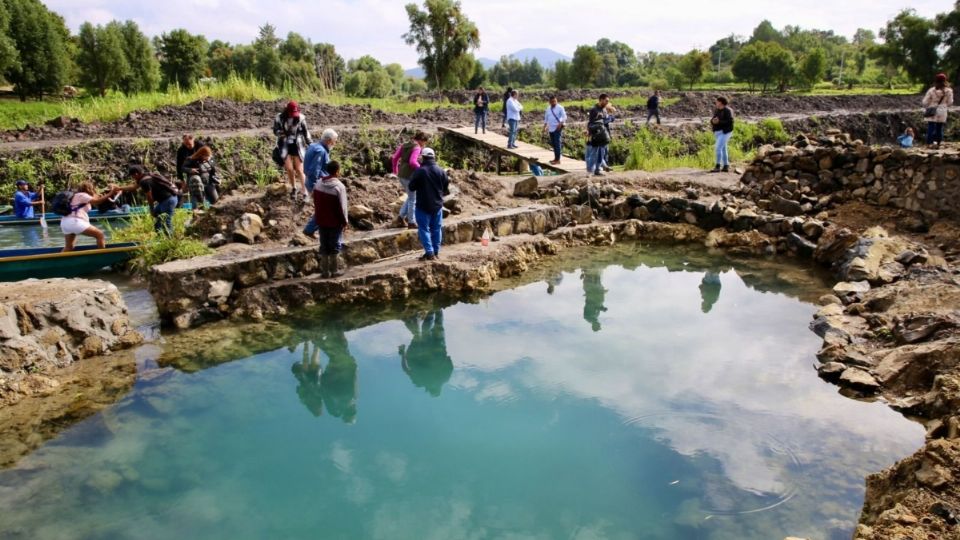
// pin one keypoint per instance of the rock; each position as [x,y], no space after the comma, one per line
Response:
[802,246]
[785,206]
[217,240]
[59,122]
[581,214]
[247,228]
[847,288]
[831,370]
[859,380]
[828,299]
[219,291]
[921,327]
[691,193]
[908,257]
[812,229]
[358,212]
[526,187]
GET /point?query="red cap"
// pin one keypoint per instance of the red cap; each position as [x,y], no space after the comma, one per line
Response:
[942,77]
[293,109]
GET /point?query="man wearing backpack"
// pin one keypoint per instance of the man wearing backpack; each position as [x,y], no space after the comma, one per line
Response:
[315,168]
[653,107]
[598,136]
[162,195]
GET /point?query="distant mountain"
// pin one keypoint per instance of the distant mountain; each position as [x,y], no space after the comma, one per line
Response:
[546,57]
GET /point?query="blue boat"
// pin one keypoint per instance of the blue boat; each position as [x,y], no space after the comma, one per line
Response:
[41,263]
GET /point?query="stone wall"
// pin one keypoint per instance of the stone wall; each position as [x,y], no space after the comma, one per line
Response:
[810,174]
[52,323]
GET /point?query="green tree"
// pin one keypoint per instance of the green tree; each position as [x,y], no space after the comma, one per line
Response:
[948,24]
[479,76]
[8,52]
[609,71]
[144,72]
[765,32]
[910,41]
[182,56]
[812,68]
[329,65]
[268,67]
[763,63]
[506,71]
[443,35]
[101,59]
[220,58]
[40,38]
[562,74]
[693,65]
[585,66]
[296,47]
[725,50]
[624,54]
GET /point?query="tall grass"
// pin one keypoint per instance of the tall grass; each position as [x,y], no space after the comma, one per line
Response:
[157,248]
[652,150]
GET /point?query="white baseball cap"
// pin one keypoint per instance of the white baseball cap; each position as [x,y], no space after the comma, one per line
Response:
[428,152]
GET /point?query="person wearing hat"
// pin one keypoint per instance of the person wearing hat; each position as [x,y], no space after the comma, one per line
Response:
[430,183]
[935,103]
[24,200]
[293,137]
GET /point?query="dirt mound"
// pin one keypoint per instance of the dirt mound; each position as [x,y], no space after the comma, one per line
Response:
[693,104]
[283,217]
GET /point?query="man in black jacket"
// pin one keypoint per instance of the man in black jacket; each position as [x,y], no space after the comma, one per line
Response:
[653,107]
[431,184]
[187,149]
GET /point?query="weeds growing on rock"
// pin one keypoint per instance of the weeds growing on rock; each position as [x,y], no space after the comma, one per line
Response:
[156,248]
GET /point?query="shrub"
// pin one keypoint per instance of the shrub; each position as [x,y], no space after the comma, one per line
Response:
[156,248]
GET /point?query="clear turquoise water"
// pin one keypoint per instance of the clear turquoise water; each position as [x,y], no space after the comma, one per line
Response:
[637,394]
[30,236]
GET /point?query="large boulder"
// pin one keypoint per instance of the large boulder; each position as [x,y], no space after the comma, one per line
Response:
[247,228]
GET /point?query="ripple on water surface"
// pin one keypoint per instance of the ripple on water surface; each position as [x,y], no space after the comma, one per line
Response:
[630,393]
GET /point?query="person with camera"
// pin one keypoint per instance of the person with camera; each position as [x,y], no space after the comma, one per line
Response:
[598,135]
[722,125]
[554,119]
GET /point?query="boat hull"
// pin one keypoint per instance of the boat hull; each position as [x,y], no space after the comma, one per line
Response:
[42,263]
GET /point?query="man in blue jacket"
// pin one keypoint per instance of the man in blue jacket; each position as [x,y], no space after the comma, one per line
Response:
[431,184]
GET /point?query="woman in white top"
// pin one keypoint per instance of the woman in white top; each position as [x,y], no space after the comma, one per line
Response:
[78,221]
[936,101]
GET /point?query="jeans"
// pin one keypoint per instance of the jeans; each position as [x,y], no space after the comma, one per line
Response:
[596,158]
[311,227]
[479,120]
[556,141]
[512,132]
[934,132]
[723,157]
[163,214]
[430,230]
[330,240]
[408,209]
[651,113]
[590,156]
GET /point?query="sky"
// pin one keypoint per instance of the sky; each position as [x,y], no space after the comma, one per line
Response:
[375,27]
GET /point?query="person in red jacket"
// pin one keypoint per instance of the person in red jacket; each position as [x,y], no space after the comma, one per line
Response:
[330,215]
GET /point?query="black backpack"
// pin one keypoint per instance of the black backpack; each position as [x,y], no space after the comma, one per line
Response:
[61,203]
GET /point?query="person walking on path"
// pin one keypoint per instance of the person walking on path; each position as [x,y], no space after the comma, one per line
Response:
[404,162]
[554,119]
[293,137]
[331,217]
[431,184]
[722,123]
[513,119]
[316,159]
[481,107]
[24,200]
[162,196]
[935,103]
[506,97]
[653,107]
[598,135]
[78,220]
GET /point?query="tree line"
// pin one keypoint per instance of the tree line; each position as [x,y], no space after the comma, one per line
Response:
[39,55]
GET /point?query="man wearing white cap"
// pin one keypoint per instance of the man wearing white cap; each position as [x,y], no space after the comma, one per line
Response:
[430,182]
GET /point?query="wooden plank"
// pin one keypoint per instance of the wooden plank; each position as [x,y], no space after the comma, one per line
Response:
[529,152]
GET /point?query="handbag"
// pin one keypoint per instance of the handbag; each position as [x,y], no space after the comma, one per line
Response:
[930,112]
[559,123]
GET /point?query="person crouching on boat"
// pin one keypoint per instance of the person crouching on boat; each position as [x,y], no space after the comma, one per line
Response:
[78,221]
[24,200]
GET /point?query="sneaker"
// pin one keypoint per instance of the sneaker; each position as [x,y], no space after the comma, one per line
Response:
[599,173]
[427,257]
[555,162]
[725,169]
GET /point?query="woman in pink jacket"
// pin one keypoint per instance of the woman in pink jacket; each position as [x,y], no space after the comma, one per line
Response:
[405,161]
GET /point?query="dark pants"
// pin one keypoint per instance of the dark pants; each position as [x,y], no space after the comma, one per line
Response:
[479,120]
[330,240]
[934,132]
[556,142]
[163,214]
[651,113]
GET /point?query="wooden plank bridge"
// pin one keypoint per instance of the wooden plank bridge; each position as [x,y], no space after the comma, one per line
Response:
[497,144]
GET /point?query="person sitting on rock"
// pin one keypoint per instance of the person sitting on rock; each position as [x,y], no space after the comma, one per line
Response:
[331,217]
[202,180]
[906,139]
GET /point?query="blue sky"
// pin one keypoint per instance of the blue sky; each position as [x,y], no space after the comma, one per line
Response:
[359,27]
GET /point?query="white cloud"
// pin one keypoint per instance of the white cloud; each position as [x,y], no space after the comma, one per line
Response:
[359,27]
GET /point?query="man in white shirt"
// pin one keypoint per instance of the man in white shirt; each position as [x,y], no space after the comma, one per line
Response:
[513,119]
[553,121]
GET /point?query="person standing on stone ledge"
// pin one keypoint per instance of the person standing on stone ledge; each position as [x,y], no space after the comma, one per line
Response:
[722,125]
[331,217]
[431,184]
[935,104]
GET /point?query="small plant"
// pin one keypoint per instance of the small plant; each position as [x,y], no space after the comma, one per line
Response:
[157,248]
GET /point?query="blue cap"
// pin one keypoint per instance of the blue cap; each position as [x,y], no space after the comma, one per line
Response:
[22,183]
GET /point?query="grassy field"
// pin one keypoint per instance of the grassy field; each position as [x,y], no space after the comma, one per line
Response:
[15,114]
